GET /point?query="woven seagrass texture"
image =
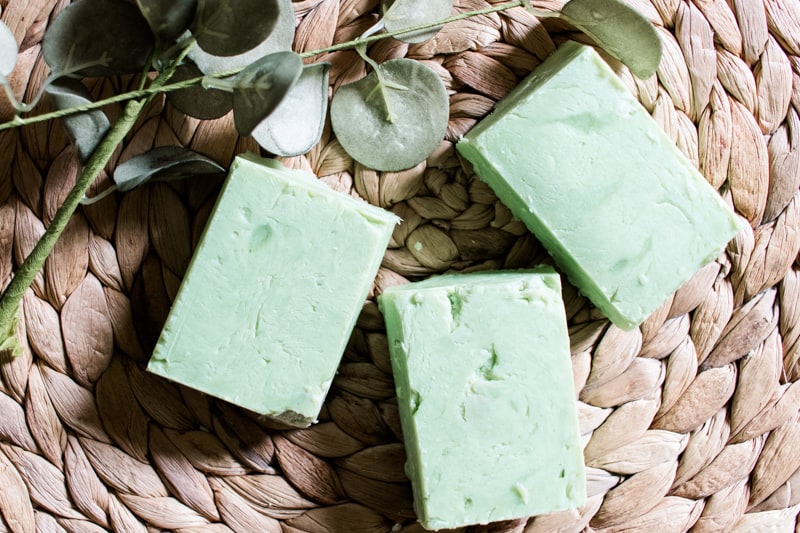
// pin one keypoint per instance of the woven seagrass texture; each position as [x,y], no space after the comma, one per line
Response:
[690,421]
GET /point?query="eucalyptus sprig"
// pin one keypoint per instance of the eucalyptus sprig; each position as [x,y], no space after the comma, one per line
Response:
[214,56]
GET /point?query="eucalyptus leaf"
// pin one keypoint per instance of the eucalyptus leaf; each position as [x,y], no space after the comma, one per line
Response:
[164,163]
[399,14]
[196,101]
[168,20]
[98,38]
[8,50]
[225,28]
[86,129]
[279,40]
[259,88]
[393,118]
[295,126]
[619,30]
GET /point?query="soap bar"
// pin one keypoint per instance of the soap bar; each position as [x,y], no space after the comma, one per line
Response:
[583,165]
[273,291]
[486,398]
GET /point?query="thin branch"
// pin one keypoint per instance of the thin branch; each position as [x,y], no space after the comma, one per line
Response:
[191,82]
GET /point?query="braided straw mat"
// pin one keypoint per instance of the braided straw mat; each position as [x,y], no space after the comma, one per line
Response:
[690,422]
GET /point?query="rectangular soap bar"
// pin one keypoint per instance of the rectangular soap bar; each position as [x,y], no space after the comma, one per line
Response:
[576,157]
[486,397]
[273,291]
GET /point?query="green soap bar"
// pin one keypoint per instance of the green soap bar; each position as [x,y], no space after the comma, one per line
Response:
[273,291]
[576,157]
[486,397]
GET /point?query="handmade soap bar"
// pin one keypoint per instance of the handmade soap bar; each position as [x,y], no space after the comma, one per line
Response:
[575,157]
[486,397]
[273,291]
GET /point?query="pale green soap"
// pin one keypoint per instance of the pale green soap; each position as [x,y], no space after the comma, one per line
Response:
[575,157]
[273,291]
[486,397]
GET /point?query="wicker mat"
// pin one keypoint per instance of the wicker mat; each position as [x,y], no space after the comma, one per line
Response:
[690,421]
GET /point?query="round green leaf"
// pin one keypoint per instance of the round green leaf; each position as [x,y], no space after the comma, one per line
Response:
[279,40]
[166,162]
[168,20]
[8,50]
[225,28]
[196,101]
[618,29]
[259,88]
[98,38]
[392,121]
[399,14]
[295,126]
[86,129]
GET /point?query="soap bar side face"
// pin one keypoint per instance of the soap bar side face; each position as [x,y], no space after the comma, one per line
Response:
[273,290]
[485,394]
[582,164]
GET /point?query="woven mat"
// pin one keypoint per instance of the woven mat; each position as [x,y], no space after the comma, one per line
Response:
[690,421]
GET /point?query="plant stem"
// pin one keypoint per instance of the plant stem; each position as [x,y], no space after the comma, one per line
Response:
[136,101]
[33,264]
[26,273]
[152,90]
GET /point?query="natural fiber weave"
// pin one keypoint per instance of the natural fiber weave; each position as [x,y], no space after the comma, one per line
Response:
[690,421]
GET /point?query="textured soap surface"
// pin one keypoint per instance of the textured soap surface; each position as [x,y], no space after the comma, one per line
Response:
[486,398]
[268,303]
[574,156]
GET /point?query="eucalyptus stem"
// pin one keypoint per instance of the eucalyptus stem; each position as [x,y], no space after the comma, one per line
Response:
[191,82]
[34,262]
[136,101]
